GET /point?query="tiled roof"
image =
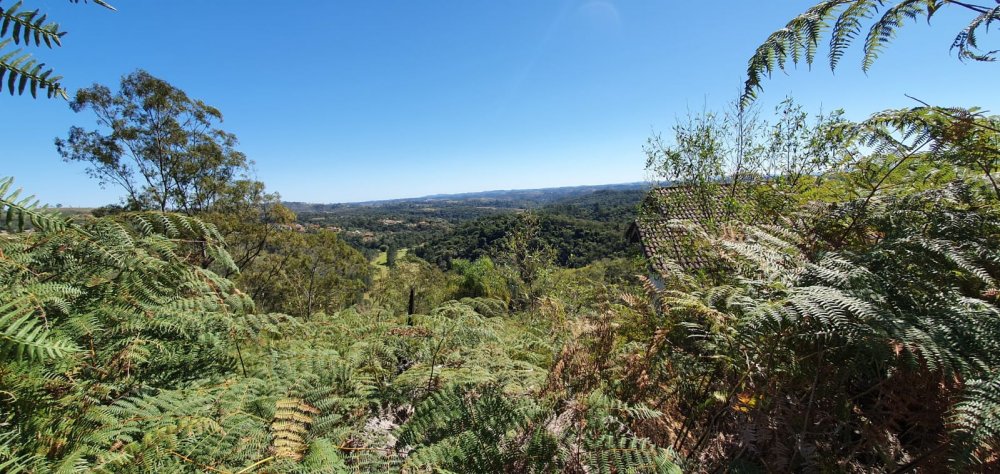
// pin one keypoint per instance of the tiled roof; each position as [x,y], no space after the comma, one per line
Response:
[663,227]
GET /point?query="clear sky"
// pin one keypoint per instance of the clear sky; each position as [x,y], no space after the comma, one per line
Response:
[345,101]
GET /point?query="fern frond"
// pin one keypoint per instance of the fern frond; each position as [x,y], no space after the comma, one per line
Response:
[799,36]
[967,43]
[11,459]
[21,70]
[24,72]
[292,418]
[24,336]
[626,454]
[96,2]
[27,26]
[976,421]
[465,427]
[884,30]
[847,28]
[797,41]
[18,212]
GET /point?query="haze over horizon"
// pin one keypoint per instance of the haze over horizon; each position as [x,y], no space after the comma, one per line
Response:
[360,102]
[463,194]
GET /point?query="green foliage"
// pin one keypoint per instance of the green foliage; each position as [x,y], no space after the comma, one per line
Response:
[738,165]
[95,310]
[19,212]
[10,460]
[468,429]
[481,278]
[977,421]
[854,328]
[323,395]
[799,40]
[390,255]
[301,273]
[431,286]
[871,303]
[24,336]
[874,295]
[581,225]
[810,352]
[573,234]
[698,153]
[252,226]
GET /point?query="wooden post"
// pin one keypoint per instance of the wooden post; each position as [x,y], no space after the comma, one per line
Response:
[409,312]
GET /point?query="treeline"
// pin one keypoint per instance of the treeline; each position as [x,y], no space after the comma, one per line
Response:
[404,224]
[579,229]
[573,242]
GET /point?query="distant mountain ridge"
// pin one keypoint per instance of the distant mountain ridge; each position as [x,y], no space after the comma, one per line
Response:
[580,224]
[564,191]
[537,196]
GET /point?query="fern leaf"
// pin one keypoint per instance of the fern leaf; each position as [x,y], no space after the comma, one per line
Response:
[884,30]
[798,39]
[966,40]
[292,418]
[18,212]
[847,27]
[25,336]
[11,460]
[21,69]
[29,26]
[976,420]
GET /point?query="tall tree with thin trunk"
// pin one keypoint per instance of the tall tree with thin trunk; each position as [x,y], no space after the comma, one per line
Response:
[165,150]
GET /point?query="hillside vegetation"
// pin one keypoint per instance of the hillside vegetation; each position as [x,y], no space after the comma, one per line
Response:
[843,315]
[855,328]
[581,225]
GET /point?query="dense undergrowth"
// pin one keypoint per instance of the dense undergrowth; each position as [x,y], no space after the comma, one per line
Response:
[845,320]
[126,357]
[832,341]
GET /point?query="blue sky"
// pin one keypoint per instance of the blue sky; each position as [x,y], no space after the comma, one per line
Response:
[346,101]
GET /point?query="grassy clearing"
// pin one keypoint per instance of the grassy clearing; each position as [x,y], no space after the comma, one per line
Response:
[380,262]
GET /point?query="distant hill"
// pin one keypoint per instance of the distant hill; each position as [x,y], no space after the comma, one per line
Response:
[542,194]
[581,223]
[507,199]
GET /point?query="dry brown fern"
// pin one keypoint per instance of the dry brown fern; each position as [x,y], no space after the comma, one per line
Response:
[292,417]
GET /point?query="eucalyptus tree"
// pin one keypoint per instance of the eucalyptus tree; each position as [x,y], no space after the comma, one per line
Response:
[164,149]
